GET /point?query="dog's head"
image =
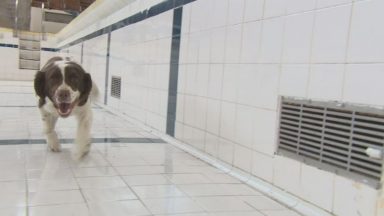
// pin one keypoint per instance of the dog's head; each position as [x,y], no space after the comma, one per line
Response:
[65,83]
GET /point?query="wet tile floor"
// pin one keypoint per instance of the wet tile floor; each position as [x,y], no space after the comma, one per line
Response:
[128,172]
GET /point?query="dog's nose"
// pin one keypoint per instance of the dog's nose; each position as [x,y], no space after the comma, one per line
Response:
[64,95]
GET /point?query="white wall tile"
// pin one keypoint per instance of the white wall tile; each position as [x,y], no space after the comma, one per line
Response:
[326,81]
[198,138]
[287,174]
[183,57]
[235,11]
[212,144]
[294,80]
[186,19]
[363,83]
[230,83]
[272,40]
[199,15]
[226,151]
[364,46]
[331,35]
[213,116]
[330,3]
[218,45]
[251,42]
[314,182]
[187,134]
[243,158]
[265,131]
[205,47]
[253,10]
[297,38]
[266,95]
[202,78]
[182,78]
[179,131]
[219,18]
[189,110]
[295,6]
[274,8]
[262,166]
[249,84]
[190,84]
[244,126]
[233,44]
[215,80]
[353,198]
[193,47]
[180,108]
[228,119]
[200,112]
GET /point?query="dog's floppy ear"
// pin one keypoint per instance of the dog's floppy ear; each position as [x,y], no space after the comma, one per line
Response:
[39,84]
[86,89]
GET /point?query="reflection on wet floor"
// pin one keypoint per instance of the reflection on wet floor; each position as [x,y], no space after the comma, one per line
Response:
[129,171]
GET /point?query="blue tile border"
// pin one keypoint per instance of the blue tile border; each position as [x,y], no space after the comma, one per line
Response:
[107,69]
[94,140]
[174,71]
[9,45]
[50,49]
[140,16]
[17,46]
[82,53]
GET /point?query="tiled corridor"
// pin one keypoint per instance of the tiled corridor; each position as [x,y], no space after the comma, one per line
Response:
[128,172]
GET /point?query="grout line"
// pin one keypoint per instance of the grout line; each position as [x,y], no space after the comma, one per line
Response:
[291,201]
[129,187]
[347,49]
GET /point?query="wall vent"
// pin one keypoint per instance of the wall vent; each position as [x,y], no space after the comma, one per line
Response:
[333,137]
[116,87]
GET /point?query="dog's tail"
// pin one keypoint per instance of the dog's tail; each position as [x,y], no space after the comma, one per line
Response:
[95,93]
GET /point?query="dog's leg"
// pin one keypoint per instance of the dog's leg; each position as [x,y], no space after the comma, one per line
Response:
[49,129]
[83,137]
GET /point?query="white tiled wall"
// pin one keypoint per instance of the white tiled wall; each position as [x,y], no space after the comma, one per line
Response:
[140,55]
[237,57]
[95,60]
[237,61]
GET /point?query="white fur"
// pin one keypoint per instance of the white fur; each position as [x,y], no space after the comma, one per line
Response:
[64,86]
[83,115]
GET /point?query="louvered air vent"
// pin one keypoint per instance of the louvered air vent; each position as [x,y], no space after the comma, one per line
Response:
[333,137]
[116,87]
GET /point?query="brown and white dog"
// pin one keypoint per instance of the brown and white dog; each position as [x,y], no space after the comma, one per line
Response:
[65,89]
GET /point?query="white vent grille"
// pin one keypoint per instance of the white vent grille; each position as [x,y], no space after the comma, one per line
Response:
[116,87]
[333,137]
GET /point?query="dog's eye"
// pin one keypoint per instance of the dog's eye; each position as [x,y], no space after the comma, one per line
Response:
[73,79]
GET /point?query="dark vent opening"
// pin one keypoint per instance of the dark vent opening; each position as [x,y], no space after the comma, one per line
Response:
[116,87]
[333,137]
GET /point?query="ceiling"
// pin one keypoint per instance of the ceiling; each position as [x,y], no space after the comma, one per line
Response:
[72,6]
[9,11]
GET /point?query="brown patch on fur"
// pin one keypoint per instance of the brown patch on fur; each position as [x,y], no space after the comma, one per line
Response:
[79,80]
[50,78]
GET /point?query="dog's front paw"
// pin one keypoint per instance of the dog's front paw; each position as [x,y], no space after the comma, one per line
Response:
[53,143]
[81,151]
[54,146]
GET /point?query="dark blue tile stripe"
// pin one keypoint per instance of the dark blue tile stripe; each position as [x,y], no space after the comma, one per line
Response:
[107,69]
[17,46]
[50,49]
[9,45]
[94,140]
[82,53]
[140,16]
[174,71]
